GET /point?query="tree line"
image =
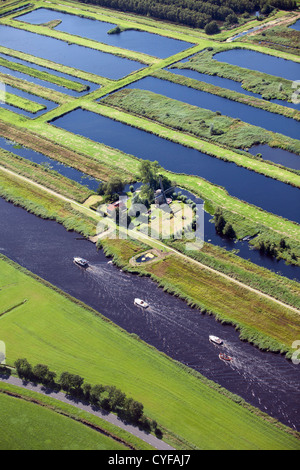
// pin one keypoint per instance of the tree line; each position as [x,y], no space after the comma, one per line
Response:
[107,397]
[195,13]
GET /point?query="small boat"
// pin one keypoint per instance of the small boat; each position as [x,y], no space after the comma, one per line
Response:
[224,357]
[141,303]
[81,262]
[216,340]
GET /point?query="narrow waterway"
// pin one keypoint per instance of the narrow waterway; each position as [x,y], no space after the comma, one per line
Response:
[89,85]
[267,193]
[211,236]
[249,114]
[227,84]
[266,380]
[23,94]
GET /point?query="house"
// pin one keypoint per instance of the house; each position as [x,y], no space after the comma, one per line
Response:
[112,207]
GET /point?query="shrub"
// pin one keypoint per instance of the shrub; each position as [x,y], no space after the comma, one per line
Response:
[212,28]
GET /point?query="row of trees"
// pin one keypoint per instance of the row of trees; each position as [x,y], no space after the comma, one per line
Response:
[195,13]
[107,397]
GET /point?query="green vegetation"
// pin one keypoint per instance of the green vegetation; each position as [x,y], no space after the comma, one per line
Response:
[43,204]
[34,89]
[23,103]
[198,14]
[281,38]
[245,219]
[101,352]
[48,77]
[203,123]
[42,174]
[266,281]
[268,86]
[107,397]
[260,321]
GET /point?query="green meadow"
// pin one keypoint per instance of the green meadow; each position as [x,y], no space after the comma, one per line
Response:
[22,427]
[52,329]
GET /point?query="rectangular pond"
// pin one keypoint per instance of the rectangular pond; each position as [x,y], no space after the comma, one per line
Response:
[138,41]
[72,55]
[261,62]
[267,193]
[249,114]
[226,83]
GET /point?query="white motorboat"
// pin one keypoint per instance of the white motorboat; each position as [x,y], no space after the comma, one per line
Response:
[216,340]
[141,303]
[83,263]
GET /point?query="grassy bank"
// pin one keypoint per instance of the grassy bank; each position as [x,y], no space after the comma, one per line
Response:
[268,86]
[281,38]
[80,41]
[43,204]
[23,103]
[267,325]
[43,175]
[100,351]
[247,218]
[208,125]
[54,66]
[33,89]
[41,75]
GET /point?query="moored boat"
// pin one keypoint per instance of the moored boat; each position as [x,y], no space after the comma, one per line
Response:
[216,340]
[141,303]
[83,263]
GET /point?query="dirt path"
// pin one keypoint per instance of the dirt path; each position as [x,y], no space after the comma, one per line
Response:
[109,417]
[278,22]
[142,237]
[265,26]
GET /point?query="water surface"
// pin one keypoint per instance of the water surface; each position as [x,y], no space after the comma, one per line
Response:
[72,55]
[90,86]
[265,380]
[277,155]
[249,114]
[273,196]
[227,83]
[139,41]
[262,62]
[296,26]
[37,99]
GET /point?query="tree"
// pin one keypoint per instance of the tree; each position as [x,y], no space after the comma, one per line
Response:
[228,230]
[134,410]
[212,28]
[116,398]
[232,19]
[42,373]
[219,221]
[71,383]
[24,369]
[95,394]
[111,188]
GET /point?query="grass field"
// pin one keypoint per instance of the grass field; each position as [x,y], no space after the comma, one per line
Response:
[23,427]
[52,329]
